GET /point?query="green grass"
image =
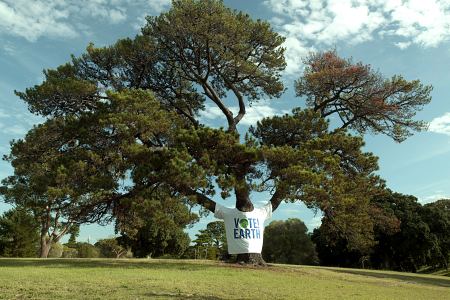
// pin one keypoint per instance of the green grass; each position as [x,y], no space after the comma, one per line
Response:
[434,271]
[181,279]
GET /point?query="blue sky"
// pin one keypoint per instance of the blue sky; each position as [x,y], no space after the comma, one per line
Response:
[409,37]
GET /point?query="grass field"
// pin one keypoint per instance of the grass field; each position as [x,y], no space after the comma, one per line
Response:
[181,279]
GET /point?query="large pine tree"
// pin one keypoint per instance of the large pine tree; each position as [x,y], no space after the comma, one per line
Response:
[130,112]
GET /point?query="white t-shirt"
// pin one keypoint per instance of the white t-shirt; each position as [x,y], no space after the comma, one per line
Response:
[244,230]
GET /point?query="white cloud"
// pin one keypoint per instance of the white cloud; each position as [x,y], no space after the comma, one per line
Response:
[434,197]
[32,19]
[14,124]
[315,222]
[441,124]
[295,51]
[212,112]
[257,112]
[117,16]
[66,19]
[323,23]
[159,5]
[403,45]
[253,113]
[139,22]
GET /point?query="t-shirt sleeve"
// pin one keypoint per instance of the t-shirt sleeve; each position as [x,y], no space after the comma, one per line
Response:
[219,211]
[267,210]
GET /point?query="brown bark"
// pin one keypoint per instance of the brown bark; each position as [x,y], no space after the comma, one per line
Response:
[48,239]
[276,199]
[45,244]
[254,259]
[243,202]
[45,247]
[120,253]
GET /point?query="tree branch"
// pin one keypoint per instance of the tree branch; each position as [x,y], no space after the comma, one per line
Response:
[276,199]
[202,199]
[241,113]
[212,94]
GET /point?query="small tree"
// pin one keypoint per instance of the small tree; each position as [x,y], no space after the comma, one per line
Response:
[70,171]
[52,185]
[56,251]
[74,232]
[217,232]
[110,248]
[70,252]
[19,235]
[212,241]
[154,227]
[86,250]
[288,242]
[204,245]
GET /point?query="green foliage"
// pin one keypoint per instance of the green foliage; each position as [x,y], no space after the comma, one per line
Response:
[326,170]
[333,250]
[408,248]
[70,252]
[288,242]
[86,250]
[437,216]
[56,250]
[412,237]
[154,227]
[19,235]
[135,64]
[69,170]
[60,93]
[74,232]
[110,248]
[210,243]
[217,232]
[220,50]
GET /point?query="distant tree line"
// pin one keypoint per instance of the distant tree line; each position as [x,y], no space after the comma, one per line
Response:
[414,237]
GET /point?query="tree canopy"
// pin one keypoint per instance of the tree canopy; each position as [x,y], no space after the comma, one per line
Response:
[362,98]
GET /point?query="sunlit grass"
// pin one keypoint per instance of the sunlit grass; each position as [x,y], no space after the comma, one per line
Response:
[181,279]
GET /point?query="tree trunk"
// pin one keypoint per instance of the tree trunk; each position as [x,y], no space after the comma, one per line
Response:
[241,189]
[45,247]
[244,204]
[254,259]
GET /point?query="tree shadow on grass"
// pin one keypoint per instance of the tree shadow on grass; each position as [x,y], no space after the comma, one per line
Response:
[106,263]
[444,282]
